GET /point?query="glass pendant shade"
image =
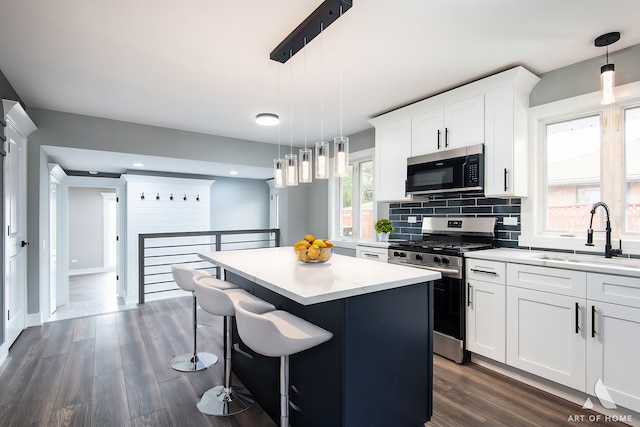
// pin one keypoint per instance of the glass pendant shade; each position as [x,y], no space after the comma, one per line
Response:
[322,160]
[306,165]
[291,174]
[341,156]
[278,173]
[607,83]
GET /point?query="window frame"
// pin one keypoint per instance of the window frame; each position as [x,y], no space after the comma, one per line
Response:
[533,207]
[335,193]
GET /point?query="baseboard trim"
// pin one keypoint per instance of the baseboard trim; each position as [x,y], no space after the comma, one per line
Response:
[34,319]
[95,270]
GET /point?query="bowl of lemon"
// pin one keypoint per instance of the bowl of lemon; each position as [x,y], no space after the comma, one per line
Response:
[313,251]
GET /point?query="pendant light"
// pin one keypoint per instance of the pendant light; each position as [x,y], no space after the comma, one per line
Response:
[306,156]
[291,160]
[607,71]
[322,147]
[341,143]
[278,162]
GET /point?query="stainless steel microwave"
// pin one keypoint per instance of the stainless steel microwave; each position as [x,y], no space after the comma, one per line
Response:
[456,171]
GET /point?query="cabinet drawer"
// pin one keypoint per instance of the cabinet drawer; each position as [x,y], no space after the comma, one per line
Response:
[554,280]
[614,289]
[486,271]
[376,254]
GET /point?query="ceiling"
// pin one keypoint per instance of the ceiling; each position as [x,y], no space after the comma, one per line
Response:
[204,66]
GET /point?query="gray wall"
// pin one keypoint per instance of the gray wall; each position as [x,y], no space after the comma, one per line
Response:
[239,204]
[86,227]
[584,77]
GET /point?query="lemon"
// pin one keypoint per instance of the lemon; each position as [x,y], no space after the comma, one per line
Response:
[328,243]
[313,252]
[309,238]
[319,243]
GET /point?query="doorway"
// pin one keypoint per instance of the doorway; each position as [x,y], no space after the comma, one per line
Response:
[88,253]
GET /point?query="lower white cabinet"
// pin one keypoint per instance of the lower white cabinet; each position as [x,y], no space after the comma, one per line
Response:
[486,319]
[613,339]
[545,335]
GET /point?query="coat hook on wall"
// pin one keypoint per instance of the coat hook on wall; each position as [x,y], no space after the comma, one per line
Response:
[198,198]
[185,198]
[158,196]
[171,197]
[142,197]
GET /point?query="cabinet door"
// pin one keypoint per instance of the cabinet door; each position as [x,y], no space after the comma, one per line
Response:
[545,335]
[393,147]
[499,142]
[375,254]
[612,353]
[464,123]
[427,132]
[486,312]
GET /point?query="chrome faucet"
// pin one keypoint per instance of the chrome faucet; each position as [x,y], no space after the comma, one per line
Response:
[608,251]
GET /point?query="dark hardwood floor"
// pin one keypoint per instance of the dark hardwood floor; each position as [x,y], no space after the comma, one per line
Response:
[112,370]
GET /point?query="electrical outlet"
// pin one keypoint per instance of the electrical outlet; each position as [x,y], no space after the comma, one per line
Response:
[412,220]
[510,220]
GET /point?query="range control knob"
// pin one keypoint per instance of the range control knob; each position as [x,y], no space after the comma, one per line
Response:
[396,253]
[436,259]
[419,257]
[403,255]
[445,260]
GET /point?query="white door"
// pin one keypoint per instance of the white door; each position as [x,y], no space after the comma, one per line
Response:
[15,226]
[545,335]
[612,353]
[53,243]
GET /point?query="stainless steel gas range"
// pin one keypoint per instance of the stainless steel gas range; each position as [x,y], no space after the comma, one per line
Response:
[444,242]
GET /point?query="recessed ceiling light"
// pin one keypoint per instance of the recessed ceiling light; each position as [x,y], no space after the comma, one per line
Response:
[233,173]
[93,172]
[138,164]
[267,119]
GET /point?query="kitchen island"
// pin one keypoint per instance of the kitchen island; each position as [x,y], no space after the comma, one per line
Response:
[377,368]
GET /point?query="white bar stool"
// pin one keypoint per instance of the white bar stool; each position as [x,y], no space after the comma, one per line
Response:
[223,400]
[277,334]
[196,361]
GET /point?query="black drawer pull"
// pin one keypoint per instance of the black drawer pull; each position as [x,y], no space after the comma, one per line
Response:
[577,315]
[475,270]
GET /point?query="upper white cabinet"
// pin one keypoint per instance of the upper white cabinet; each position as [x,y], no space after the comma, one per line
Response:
[452,126]
[492,111]
[506,138]
[393,146]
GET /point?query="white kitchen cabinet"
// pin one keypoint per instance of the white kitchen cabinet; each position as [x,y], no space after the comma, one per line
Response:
[506,138]
[612,340]
[373,253]
[452,126]
[392,148]
[486,308]
[545,335]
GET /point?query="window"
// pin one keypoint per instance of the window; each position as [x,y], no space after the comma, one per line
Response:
[353,199]
[582,153]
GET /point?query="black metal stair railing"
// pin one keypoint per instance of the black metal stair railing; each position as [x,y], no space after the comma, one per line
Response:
[158,251]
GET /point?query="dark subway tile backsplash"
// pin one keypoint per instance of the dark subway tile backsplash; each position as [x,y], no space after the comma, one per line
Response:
[507,235]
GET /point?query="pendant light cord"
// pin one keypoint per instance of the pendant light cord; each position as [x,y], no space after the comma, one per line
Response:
[291,104]
[279,126]
[321,82]
[305,91]
[341,61]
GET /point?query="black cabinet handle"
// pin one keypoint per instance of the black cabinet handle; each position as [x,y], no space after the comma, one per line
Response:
[439,132]
[593,321]
[577,315]
[505,179]
[469,295]
[446,137]
[475,270]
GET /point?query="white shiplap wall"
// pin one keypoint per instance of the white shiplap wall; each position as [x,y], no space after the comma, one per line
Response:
[163,215]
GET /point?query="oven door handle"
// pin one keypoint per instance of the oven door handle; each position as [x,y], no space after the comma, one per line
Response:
[448,271]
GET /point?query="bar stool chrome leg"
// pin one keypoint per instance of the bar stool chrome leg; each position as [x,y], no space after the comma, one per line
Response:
[196,361]
[225,400]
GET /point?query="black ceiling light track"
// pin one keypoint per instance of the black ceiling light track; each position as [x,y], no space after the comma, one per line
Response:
[319,20]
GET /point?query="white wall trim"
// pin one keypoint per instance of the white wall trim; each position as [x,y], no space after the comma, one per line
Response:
[34,319]
[95,270]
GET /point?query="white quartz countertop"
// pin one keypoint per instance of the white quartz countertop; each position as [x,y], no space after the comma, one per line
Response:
[278,270]
[590,263]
